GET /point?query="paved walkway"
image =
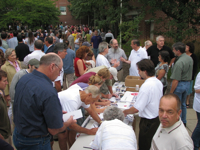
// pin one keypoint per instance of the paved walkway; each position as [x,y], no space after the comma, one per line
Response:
[191,120]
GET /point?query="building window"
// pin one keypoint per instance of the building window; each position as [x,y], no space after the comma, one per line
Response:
[63,10]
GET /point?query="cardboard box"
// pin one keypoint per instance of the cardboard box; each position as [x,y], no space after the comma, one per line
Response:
[132,81]
[131,89]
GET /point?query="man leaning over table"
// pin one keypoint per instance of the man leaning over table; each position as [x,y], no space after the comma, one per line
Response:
[171,134]
[147,103]
[71,100]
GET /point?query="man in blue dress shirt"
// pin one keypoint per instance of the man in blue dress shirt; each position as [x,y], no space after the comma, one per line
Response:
[37,110]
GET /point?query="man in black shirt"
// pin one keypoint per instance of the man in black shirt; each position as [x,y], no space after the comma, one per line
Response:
[154,50]
[22,49]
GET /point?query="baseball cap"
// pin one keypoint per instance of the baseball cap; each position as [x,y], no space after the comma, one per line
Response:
[113,71]
[86,44]
[34,62]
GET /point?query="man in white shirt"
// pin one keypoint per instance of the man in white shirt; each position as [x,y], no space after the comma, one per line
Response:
[37,53]
[71,100]
[137,54]
[101,60]
[171,134]
[61,50]
[147,103]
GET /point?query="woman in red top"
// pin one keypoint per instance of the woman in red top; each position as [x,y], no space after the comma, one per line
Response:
[79,64]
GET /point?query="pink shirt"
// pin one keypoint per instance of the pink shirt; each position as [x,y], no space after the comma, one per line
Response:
[17,68]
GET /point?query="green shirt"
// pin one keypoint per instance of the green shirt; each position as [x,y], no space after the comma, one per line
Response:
[88,38]
[5,129]
[182,69]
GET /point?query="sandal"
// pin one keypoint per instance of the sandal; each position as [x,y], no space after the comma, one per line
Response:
[187,105]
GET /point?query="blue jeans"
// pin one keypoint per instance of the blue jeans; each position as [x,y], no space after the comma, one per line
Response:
[181,92]
[95,51]
[27,143]
[76,48]
[196,134]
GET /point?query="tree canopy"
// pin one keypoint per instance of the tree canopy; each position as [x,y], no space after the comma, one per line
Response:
[183,16]
[102,13]
[31,12]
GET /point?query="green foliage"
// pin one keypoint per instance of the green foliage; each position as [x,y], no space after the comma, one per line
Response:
[130,29]
[30,12]
[102,13]
[183,17]
[81,8]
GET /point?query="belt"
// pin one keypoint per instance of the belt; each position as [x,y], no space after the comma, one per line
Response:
[119,70]
[38,136]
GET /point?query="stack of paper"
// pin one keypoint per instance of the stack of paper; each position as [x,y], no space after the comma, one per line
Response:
[129,96]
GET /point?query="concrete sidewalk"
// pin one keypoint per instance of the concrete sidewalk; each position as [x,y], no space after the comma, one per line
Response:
[191,120]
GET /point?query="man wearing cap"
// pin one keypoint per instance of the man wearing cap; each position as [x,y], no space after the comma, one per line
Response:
[32,64]
[106,74]
[86,44]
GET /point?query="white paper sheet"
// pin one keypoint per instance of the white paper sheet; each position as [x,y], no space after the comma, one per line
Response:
[76,115]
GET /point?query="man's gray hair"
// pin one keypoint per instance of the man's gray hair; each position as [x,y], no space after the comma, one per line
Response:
[158,37]
[8,52]
[59,47]
[49,59]
[94,90]
[111,41]
[102,46]
[146,43]
[111,113]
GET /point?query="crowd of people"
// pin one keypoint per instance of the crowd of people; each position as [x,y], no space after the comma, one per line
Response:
[44,75]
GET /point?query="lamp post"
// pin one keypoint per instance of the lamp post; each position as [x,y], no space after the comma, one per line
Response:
[120,36]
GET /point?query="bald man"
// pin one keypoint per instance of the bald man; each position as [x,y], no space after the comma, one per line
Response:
[114,55]
[37,110]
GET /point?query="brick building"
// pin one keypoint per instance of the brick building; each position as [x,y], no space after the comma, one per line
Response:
[66,18]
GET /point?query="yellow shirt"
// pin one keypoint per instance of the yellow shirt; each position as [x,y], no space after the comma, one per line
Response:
[74,35]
